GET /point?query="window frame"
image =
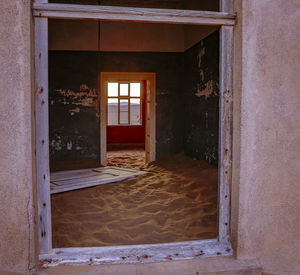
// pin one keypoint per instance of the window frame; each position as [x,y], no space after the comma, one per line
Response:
[128,97]
[134,253]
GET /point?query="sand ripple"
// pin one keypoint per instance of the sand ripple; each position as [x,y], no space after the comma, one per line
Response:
[175,201]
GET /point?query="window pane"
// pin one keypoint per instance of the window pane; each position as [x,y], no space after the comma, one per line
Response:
[112,89]
[124,89]
[135,111]
[123,111]
[135,89]
[112,111]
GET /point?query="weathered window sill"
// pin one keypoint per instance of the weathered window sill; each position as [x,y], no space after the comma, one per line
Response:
[135,253]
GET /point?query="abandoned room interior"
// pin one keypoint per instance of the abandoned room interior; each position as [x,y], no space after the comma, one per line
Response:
[133,132]
[175,199]
[60,94]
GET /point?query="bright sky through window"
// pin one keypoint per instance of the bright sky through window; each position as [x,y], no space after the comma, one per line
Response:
[124,103]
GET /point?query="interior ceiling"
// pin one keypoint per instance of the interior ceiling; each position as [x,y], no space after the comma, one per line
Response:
[209,5]
[123,36]
[85,35]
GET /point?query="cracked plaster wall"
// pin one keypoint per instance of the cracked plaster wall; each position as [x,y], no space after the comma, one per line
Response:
[266,162]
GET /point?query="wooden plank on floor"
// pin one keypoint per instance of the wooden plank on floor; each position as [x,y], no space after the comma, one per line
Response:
[86,179]
[74,174]
[112,168]
[117,170]
[65,175]
[71,180]
[81,185]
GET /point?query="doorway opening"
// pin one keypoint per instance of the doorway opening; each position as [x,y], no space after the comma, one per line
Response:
[127,124]
[126,131]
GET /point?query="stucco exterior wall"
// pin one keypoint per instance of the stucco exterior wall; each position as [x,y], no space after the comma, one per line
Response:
[17,240]
[265,205]
[267,134]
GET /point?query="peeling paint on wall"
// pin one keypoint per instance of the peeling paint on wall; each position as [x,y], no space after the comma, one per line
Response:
[70,106]
[209,90]
[84,97]
[185,121]
[201,94]
[73,97]
[73,106]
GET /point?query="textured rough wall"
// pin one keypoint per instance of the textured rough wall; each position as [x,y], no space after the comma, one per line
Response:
[267,134]
[73,106]
[73,90]
[201,99]
[17,242]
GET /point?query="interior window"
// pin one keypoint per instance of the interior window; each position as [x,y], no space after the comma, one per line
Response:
[124,103]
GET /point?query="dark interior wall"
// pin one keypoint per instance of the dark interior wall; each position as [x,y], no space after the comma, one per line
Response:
[73,104]
[201,97]
[187,95]
[73,90]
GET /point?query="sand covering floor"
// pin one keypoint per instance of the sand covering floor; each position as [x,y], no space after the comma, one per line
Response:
[132,158]
[176,200]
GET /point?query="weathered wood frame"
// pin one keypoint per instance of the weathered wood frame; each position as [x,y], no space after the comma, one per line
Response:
[136,253]
[64,11]
[150,97]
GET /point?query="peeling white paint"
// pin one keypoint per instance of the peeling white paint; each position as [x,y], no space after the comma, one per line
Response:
[201,53]
[56,144]
[85,97]
[209,90]
[73,111]
[69,145]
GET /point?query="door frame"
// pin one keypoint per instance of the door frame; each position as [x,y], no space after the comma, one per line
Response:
[150,112]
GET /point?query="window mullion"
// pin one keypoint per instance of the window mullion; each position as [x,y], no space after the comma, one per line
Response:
[118,103]
[129,103]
